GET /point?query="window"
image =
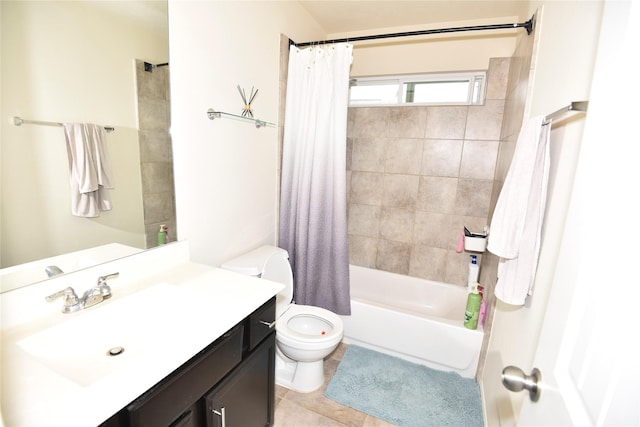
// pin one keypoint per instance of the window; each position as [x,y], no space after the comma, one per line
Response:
[424,89]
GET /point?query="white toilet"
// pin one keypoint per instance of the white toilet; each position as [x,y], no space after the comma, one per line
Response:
[305,334]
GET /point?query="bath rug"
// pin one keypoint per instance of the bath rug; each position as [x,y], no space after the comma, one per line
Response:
[404,393]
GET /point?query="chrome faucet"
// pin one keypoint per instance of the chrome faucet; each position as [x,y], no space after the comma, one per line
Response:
[93,296]
[53,270]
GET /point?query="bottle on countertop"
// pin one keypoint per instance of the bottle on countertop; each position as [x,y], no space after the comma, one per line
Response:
[474,271]
[473,308]
[162,235]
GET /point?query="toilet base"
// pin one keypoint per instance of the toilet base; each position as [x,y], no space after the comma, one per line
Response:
[303,377]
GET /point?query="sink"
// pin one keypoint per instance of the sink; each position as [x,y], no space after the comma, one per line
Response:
[98,341]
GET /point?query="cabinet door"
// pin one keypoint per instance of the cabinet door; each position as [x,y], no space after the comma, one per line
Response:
[246,397]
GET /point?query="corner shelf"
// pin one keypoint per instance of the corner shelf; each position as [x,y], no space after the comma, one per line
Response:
[213,114]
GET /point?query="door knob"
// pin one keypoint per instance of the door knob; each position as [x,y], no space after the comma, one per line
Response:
[515,379]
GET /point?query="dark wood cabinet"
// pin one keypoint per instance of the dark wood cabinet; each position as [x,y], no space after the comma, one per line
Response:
[246,397]
[231,380]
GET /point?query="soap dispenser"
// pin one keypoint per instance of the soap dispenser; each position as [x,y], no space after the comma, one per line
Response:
[162,235]
[474,270]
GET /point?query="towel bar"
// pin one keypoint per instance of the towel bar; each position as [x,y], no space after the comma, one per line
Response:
[19,121]
[575,106]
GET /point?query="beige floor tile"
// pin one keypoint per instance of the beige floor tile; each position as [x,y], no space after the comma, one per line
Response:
[313,409]
[288,414]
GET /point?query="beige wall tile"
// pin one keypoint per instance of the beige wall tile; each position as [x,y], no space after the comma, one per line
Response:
[497,78]
[393,256]
[446,122]
[479,159]
[407,122]
[364,220]
[441,157]
[432,229]
[428,263]
[366,188]
[400,191]
[472,197]
[370,122]
[418,175]
[403,156]
[485,122]
[363,250]
[437,194]
[396,224]
[368,154]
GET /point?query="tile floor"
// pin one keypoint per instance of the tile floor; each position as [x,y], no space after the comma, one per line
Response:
[314,410]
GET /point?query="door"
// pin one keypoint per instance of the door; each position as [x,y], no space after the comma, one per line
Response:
[587,349]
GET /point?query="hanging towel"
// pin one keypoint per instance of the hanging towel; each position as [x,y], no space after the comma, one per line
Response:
[89,169]
[516,224]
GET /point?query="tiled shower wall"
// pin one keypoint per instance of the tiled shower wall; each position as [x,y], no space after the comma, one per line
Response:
[416,176]
[156,158]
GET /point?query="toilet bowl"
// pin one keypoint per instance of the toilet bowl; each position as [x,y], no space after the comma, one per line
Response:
[305,334]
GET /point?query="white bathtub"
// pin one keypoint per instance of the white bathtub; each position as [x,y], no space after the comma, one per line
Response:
[411,318]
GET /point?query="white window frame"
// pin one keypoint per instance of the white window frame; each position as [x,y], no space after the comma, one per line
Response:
[475,96]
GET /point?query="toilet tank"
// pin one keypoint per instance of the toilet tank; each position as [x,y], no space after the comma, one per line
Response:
[270,263]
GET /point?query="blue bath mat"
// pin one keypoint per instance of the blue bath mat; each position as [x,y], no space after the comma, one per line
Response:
[404,393]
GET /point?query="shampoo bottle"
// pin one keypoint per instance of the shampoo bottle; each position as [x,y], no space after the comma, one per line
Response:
[473,308]
[474,270]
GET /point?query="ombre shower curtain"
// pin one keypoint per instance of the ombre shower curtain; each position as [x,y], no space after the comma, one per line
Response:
[313,209]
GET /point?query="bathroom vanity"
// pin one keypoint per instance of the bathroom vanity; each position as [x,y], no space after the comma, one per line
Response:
[231,382]
[195,345]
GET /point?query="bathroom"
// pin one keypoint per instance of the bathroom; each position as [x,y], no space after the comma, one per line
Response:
[220,224]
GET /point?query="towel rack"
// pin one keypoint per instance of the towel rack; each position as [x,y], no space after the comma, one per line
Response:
[575,106]
[213,114]
[19,121]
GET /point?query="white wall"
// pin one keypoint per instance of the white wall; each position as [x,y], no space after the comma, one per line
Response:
[226,170]
[68,62]
[562,73]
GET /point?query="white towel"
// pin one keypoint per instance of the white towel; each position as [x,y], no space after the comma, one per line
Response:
[516,224]
[89,169]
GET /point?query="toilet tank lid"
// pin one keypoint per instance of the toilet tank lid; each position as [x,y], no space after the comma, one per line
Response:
[252,263]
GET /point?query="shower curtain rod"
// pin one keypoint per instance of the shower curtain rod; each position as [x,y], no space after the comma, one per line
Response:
[18,121]
[528,25]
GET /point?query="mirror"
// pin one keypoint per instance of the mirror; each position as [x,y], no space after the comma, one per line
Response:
[83,62]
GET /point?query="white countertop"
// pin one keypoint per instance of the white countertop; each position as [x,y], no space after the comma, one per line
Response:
[32,394]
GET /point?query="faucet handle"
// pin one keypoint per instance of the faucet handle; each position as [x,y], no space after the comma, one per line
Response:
[71,300]
[105,289]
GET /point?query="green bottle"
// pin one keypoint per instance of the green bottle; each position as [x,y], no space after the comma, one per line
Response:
[473,308]
[162,235]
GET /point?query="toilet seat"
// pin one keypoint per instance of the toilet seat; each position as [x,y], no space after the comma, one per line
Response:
[287,332]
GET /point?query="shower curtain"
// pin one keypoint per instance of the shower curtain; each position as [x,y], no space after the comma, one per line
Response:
[313,211]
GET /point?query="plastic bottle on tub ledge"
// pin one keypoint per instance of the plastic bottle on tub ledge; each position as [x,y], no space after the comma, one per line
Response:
[483,307]
[474,271]
[472,310]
